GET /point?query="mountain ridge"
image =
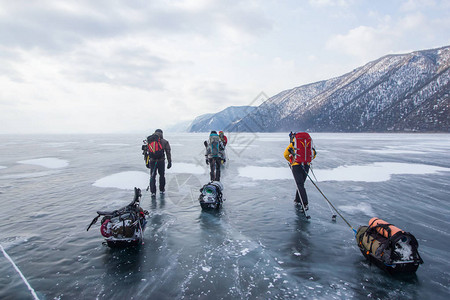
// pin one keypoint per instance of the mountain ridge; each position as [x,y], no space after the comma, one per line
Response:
[400,92]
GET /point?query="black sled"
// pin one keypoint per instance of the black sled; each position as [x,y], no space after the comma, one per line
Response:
[123,227]
[211,195]
[388,247]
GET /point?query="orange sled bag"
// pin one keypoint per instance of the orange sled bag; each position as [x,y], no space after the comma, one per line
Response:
[389,247]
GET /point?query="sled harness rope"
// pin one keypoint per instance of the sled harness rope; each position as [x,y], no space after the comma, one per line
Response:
[329,202]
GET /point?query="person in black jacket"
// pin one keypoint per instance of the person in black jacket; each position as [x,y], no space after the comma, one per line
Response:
[157,165]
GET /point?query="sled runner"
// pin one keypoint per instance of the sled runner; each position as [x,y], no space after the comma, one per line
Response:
[125,226]
[211,195]
[389,247]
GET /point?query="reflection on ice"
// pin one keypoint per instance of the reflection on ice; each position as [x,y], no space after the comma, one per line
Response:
[376,172]
[49,162]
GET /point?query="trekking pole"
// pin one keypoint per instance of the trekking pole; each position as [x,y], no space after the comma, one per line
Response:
[329,202]
[300,196]
[333,217]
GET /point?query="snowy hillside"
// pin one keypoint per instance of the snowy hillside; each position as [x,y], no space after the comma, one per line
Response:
[408,92]
[221,120]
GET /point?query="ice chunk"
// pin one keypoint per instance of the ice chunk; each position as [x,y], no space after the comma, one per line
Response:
[206,268]
[404,251]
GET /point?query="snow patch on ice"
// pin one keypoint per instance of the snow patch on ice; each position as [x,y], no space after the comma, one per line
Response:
[124,180]
[376,172]
[186,168]
[48,162]
[2,167]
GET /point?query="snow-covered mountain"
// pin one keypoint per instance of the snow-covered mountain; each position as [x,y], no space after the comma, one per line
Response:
[408,92]
[222,120]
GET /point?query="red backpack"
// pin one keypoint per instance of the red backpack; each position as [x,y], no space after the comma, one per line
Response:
[303,147]
[155,149]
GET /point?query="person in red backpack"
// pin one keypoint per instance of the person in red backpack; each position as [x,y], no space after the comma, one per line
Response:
[157,147]
[299,154]
[223,138]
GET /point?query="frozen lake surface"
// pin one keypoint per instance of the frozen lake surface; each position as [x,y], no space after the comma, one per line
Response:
[257,247]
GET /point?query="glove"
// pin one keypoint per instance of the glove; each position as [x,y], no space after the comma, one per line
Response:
[169,165]
[207,162]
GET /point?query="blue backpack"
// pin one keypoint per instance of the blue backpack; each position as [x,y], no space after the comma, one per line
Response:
[214,145]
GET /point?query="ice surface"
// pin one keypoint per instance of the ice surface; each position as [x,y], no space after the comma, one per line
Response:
[2,167]
[258,238]
[124,180]
[186,168]
[115,144]
[376,172]
[48,162]
[28,175]
[365,208]
[392,151]
[265,173]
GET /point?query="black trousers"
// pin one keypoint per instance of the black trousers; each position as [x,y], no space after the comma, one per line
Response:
[215,164]
[300,174]
[157,166]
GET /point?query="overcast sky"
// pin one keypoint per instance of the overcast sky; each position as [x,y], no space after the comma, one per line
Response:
[108,66]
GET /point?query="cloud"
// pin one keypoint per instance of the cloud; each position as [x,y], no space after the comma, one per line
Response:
[390,35]
[117,65]
[108,66]
[60,26]
[362,42]
[326,3]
